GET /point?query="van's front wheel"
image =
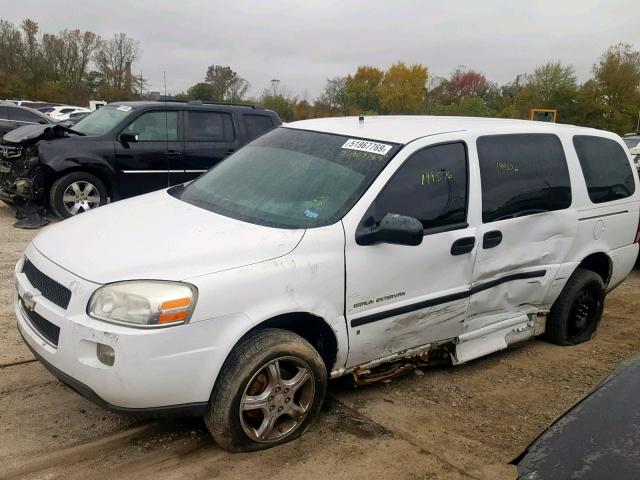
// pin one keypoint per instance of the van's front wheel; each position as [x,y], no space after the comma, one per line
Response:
[577,311]
[268,392]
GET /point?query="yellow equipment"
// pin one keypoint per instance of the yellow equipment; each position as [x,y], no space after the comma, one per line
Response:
[543,114]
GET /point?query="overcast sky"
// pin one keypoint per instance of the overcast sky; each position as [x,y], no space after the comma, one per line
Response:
[304,42]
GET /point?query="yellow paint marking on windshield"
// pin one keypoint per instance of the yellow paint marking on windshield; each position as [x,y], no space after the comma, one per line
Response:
[433,176]
[507,167]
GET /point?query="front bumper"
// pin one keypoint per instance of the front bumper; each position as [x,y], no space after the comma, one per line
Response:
[156,371]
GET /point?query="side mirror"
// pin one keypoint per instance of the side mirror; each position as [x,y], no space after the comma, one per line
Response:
[128,137]
[396,229]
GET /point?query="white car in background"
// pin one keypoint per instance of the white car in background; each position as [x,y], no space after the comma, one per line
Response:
[633,143]
[64,111]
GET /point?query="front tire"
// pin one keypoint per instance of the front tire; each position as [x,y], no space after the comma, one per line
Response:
[268,392]
[75,193]
[575,315]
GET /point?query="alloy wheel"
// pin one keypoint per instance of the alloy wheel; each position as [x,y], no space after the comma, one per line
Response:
[277,399]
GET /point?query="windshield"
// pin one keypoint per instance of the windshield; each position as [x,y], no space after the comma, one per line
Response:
[102,120]
[291,178]
[632,142]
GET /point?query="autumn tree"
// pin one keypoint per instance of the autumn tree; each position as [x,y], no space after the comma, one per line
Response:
[403,89]
[465,82]
[616,87]
[361,90]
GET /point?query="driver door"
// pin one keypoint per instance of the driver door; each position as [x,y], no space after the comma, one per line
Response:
[143,166]
[398,296]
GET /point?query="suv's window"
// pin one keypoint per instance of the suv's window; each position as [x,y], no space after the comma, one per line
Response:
[67,110]
[156,126]
[210,126]
[103,120]
[431,186]
[605,167]
[257,124]
[21,115]
[522,174]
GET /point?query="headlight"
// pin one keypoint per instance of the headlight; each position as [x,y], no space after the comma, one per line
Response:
[145,303]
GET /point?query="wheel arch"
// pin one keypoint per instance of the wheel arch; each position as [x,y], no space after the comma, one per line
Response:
[600,263]
[314,329]
[105,176]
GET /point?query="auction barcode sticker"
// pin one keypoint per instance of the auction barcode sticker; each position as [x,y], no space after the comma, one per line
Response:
[366,146]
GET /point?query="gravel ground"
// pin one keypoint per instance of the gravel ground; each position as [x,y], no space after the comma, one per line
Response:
[437,423]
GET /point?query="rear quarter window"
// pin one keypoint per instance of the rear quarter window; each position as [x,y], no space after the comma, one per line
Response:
[522,174]
[256,125]
[606,168]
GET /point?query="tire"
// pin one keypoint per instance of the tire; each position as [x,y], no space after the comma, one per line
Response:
[89,193]
[576,313]
[248,374]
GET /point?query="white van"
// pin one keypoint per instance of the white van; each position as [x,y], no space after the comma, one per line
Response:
[331,247]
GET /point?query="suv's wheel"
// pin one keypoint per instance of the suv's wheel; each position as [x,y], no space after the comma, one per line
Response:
[75,193]
[577,311]
[269,391]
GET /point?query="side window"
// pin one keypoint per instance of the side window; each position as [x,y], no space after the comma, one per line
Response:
[605,168]
[431,186]
[522,174]
[210,126]
[4,113]
[21,115]
[155,126]
[256,125]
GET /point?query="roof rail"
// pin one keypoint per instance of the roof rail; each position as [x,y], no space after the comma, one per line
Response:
[201,102]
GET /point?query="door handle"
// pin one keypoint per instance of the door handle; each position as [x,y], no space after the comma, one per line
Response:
[491,239]
[174,153]
[463,245]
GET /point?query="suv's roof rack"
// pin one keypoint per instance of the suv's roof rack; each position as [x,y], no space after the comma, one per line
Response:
[204,102]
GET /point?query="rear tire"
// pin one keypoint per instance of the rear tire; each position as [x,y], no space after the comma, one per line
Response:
[76,192]
[268,392]
[576,313]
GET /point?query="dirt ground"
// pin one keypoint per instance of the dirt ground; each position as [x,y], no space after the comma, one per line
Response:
[439,423]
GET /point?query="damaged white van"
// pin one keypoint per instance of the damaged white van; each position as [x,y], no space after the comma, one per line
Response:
[330,247]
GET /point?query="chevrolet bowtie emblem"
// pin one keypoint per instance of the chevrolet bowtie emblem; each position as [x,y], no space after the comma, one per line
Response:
[29,302]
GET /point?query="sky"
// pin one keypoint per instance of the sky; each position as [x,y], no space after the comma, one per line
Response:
[302,43]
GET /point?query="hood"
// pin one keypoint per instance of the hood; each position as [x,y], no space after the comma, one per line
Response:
[157,236]
[33,133]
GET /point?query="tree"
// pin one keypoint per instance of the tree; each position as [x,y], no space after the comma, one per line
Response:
[334,97]
[616,87]
[467,83]
[114,59]
[361,90]
[202,91]
[227,85]
[277,98]
[403,88]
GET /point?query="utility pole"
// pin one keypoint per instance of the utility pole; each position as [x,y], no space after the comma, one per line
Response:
[638,125]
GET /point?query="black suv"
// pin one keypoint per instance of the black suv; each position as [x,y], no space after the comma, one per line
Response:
[121,150]
[13,116]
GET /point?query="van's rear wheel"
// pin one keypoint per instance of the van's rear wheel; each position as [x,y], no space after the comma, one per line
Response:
[268,392]
[75,193]
[576,314]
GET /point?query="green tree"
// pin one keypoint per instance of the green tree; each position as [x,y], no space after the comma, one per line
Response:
[202,91]
[227,85]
